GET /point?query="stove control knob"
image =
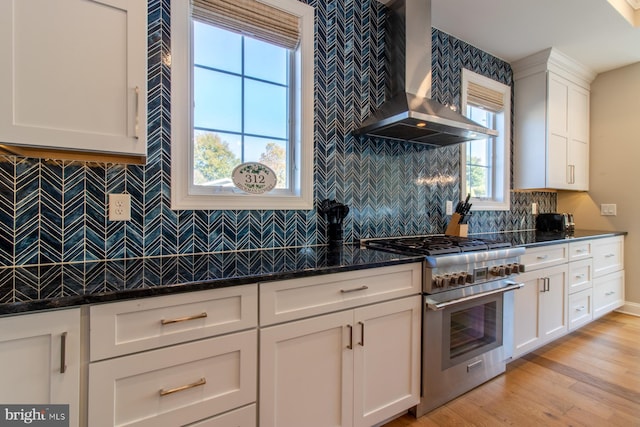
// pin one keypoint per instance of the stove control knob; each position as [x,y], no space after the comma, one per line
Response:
[498,270]
[437,281]
[446,280]
[462,278]
[514,268]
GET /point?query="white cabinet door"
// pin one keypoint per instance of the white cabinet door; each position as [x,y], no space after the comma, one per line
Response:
[74,74]
[553,303]
[387,360]
[306,372]
[540,308]
[526,328]
[557,132]
[568,133]
[41,360]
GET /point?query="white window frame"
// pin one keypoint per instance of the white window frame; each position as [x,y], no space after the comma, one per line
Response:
[301,196]
[501,170]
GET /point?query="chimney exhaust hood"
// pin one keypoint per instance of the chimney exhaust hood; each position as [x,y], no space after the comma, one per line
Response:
[410,114]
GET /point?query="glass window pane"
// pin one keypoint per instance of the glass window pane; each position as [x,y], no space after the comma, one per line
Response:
[265,109]
[478,181]
[217,48]
[265,61]
[214,157]
[217,100]
[272,153]
[479,153]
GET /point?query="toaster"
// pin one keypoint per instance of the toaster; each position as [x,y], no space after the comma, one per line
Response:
[557,222]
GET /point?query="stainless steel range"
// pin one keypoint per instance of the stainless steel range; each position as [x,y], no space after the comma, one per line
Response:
[468,286]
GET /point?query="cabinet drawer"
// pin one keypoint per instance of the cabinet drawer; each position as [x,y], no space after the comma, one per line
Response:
[579,250]
[580,275]
[608,255]
[608,293]
[580,308]
[297,298]
[243,417]
[143,324]
[175,385]
[546,256]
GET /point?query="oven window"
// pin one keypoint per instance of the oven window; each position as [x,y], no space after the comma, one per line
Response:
[472,330]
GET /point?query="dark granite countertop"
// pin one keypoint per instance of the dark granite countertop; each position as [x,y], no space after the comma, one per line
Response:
[33,288]
[531,238]
[44,287]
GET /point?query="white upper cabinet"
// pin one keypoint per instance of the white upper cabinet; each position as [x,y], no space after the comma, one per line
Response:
[74,75]
[551,99]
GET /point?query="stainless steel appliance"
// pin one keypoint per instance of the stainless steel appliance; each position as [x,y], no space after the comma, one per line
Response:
[467,330]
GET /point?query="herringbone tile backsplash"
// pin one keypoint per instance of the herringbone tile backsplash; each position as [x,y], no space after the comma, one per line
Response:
[54,211]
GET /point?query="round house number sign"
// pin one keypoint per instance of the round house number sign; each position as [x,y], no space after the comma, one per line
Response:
[254,178]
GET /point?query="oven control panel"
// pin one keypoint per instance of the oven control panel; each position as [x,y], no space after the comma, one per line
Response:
[473,275]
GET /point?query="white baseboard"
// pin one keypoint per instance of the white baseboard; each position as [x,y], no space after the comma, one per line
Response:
[632,308]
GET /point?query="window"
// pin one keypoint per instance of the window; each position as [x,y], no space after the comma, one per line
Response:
[485,163]
[241,91]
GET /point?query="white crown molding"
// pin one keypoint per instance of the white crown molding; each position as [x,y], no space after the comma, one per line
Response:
[553,60]
[635,4]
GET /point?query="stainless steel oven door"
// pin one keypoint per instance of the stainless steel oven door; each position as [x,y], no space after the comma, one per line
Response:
[465,342]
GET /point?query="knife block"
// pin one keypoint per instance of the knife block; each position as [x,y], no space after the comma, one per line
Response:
[455,228]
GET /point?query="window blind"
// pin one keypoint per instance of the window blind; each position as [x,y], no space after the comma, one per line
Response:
[484,97]
[252,18]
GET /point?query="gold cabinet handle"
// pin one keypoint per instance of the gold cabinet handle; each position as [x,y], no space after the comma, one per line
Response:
[350,345]
[361,343]
[183,319]
[164,392]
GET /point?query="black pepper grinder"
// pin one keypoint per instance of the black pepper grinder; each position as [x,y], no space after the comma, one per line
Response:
[334,213]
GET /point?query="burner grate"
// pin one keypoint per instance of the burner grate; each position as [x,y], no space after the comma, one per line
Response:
[436,245]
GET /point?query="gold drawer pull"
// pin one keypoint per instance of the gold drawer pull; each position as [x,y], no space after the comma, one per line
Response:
[201,381]
[184,319]
[361,288]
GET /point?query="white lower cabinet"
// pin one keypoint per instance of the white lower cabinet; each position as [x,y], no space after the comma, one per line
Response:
[540,308]
[580,308]
[175,360]
[566,287]
[608,293]
[174,385]
[41,360]
[351,368]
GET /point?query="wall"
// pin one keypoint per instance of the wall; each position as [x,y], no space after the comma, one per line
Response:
[54,211]
[615,154]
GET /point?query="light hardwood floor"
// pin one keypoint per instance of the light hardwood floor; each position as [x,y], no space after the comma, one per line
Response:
[590,377]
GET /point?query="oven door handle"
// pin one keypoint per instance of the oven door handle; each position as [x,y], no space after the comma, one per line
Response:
[432,305]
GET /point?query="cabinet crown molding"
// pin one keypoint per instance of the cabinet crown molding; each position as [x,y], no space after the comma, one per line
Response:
[551,59]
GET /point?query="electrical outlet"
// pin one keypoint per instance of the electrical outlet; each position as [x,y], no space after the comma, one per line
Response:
[119,207]
[448,207]
[608,209]
[534,209]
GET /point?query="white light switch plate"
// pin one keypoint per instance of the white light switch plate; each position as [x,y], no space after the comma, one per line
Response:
[448,207]
[608,209]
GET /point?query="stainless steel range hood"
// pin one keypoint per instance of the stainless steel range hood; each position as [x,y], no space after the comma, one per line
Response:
[409,114]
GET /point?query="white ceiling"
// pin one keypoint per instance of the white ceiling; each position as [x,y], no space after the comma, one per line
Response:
[591,32]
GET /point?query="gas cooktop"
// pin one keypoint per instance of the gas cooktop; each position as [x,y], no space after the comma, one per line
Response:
[434,245]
